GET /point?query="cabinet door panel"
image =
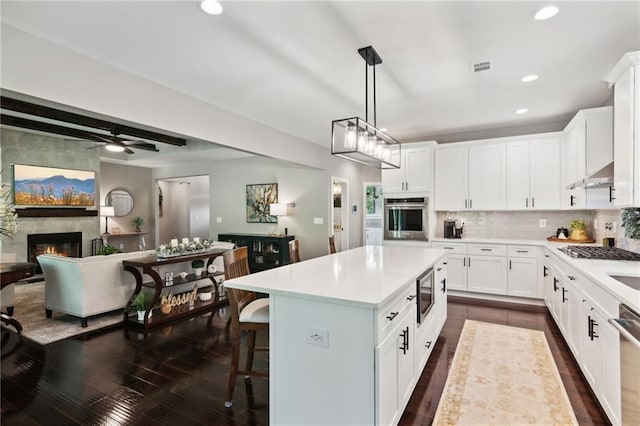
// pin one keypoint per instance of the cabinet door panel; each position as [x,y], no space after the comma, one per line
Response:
[450,178]
[518,175]
[406,363]
[523,277]
[487,274]
[623,109]
[387,385]
[591,355]
[457,272]
[393,179]
[545,174]
[418,170]
[487,177]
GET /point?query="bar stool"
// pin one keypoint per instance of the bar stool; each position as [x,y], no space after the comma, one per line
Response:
[248,315]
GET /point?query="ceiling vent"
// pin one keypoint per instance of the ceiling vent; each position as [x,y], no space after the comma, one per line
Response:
[482,66]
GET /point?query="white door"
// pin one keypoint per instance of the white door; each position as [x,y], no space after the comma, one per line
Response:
[373,213]
[339,213]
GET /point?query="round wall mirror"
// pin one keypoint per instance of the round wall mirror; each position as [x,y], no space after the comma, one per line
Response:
[121,201]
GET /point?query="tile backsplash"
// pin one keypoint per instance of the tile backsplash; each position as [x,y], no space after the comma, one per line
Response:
[526,224]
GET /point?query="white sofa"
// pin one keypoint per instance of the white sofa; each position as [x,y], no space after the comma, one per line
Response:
[8,294]
[87,286]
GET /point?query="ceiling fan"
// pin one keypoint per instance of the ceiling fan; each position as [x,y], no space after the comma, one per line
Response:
[115,143]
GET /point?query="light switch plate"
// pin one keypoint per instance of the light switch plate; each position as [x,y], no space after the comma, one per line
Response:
[543,223]
[318,220]
[218,220]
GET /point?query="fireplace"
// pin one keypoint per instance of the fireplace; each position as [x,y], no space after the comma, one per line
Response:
[68,244]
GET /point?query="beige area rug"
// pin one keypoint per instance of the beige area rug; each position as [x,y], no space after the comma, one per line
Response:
[503,375]
[29,310]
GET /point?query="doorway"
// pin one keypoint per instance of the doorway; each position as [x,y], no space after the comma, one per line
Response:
[183,208]
[373,213]
[339,203]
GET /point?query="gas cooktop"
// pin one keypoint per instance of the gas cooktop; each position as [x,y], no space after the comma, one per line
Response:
[595,252]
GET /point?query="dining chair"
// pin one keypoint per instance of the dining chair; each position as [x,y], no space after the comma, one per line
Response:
[294,251]
[248,314]
[332,244]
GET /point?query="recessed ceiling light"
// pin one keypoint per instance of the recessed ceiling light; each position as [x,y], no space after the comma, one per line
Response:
[212,7]
[528,78]
[546,13]
[114,148]
[521,110]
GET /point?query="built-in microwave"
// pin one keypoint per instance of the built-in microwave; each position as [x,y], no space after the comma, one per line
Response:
[406,219]
[426,293]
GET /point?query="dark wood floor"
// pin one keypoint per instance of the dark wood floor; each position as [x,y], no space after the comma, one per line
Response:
[178,375]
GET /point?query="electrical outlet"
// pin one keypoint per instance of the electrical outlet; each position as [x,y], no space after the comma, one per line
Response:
[318,220]
[121,246]
[318,337]
[543,223]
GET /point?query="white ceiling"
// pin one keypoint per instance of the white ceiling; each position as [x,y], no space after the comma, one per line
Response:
[294,66]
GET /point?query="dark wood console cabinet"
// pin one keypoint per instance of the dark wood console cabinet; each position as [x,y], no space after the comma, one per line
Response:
[265,251]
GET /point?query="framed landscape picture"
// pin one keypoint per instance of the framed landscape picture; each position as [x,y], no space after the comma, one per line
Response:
[259,197]
[53,187]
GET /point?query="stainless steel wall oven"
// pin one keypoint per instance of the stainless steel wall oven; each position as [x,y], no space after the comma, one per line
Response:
[406,219]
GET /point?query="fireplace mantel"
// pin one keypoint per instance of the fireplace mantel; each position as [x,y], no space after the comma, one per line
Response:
[55,212]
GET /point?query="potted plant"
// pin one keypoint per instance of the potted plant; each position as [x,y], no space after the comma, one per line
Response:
[205,293]
[141,303]
[631,223]
[138,222]
[107,250]
[578,231]
[198,266]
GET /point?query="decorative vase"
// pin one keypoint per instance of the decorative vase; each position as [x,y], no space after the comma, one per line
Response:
[138,228]
[141,315]
[198,271]
[165,308]
[579,234]
[205,296]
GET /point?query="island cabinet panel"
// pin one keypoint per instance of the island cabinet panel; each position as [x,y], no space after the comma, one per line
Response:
[323,383]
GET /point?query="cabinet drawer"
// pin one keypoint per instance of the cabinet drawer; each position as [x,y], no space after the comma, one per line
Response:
[459,248]
[487,249]
[389,316]
[522,251]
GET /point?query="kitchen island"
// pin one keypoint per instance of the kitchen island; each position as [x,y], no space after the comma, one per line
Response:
[345,343]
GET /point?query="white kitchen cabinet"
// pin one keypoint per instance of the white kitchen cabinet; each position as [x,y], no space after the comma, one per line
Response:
[487,274]
[487,177]
[533,173]
[610,384]
[395,358]
[450,178]
[591,359]
[625,77]
[587,150]
[470,177]
[522,277]
[414,177]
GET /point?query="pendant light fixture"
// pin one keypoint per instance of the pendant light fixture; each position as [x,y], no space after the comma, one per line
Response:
[356,139]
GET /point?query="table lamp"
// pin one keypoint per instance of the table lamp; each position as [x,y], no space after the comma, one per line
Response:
[107,211]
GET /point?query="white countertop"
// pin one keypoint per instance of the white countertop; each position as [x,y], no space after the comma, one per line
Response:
[367,276]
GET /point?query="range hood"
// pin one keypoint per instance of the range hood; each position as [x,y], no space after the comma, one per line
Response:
[603,178]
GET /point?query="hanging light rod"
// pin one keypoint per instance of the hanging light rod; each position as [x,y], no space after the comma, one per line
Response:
[358,140]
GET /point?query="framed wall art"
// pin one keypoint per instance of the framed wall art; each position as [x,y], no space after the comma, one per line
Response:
[259,197]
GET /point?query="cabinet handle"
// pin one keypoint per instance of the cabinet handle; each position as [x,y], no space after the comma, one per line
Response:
[444,263]
[571,200]
[407,334]
[611,197]
[544,271]
[448,248]
[405,340]
[411,297]
[555,284]
[469,262]
[464,261]
[509,264]
[485,249]
[392,316]
[533,202]
[428,344]
[470,203]
[526,202]
[564,291]
[439,269]
[572,278]
[522,251]
[444,285]
[591,328]
[406,186]
[465,204]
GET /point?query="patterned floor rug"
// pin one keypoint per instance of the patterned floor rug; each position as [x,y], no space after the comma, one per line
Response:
[29,310]
[503,375]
